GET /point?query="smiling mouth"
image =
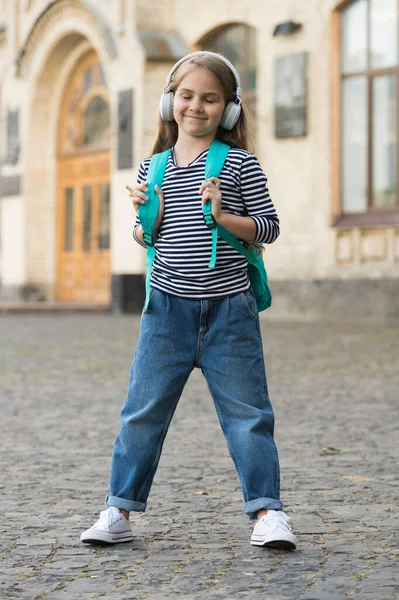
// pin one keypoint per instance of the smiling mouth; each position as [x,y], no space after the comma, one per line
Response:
[196,118]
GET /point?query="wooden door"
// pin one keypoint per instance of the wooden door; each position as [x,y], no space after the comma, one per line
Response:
[84,229]
[83,178]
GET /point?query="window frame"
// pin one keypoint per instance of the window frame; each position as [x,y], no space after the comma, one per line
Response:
[373,215]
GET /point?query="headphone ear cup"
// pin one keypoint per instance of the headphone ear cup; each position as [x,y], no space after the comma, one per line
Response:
[230,116]
[166,106]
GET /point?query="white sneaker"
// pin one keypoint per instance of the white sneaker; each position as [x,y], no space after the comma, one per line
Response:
[112,527]
[272,531]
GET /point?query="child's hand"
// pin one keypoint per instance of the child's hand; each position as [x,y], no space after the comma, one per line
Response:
[210,191]
[137,194]
[139,197]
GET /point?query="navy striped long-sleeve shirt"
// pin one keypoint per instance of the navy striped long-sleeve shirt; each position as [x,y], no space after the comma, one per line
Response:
[184,243]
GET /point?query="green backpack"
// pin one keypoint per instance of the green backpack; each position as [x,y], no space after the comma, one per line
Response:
[148,213]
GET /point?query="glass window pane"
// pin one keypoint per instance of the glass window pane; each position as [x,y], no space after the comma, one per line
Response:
[354,37]
[68,231]
[96,122]
[384,141]
[87,217]
[354,144]
[384,33]
[103,240]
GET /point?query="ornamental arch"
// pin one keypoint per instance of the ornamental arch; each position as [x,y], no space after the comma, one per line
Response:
[69,43]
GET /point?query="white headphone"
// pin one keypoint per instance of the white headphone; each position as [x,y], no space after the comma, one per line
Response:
[233,108]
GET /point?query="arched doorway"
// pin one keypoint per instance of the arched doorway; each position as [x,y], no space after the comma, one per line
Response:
[83,186]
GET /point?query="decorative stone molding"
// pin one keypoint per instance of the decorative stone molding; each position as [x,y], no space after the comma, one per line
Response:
[344,247]
[373,245]
[61,11]
[354,246]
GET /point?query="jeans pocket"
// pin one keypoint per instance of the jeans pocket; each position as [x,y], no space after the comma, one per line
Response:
[249,303]
[152,294]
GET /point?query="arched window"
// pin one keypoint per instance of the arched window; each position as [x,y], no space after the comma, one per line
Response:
[85,116]
[238,44]
[368,72]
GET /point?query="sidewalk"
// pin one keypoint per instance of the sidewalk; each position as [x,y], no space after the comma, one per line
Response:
[335,391]
[10,308]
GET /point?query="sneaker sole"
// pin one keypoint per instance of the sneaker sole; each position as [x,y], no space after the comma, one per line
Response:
[289,543]
[278,545]
[106,539]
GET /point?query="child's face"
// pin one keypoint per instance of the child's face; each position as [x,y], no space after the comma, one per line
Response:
[198,103]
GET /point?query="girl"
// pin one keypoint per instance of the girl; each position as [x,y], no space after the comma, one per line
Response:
[200,317]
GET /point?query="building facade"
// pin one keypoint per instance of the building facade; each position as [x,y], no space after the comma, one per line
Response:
[80,88]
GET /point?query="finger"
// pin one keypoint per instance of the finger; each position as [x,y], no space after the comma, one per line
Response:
[142,187]
[137,194]
[206,196]
[205,185]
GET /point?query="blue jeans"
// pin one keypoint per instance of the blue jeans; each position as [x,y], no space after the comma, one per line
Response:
[222,337]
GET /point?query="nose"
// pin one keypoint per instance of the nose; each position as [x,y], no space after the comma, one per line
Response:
[196,104]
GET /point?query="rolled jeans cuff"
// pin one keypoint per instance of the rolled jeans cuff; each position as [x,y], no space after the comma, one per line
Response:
[125,504]
[252,507]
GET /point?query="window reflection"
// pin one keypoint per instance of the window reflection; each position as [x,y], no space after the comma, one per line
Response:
[383,32]
[354,37]
[384,141]
[354,144]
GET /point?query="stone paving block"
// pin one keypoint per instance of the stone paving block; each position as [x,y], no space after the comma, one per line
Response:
[62,383]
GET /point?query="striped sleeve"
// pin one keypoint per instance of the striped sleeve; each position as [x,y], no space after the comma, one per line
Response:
[257,201]
[141,176]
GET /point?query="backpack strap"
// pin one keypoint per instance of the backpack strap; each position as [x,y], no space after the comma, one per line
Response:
[214,163]
[148,212]
[233,241]
[215,160]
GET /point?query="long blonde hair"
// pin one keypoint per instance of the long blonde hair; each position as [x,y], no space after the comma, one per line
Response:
[238,137]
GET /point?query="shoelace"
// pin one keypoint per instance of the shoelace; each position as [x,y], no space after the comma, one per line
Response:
[278,518]
[113,518]
[109,517]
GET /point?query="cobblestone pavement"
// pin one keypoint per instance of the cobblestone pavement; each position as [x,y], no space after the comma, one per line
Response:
[334,388]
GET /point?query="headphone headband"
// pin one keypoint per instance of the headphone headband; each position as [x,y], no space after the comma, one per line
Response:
[232,110]
[205,53]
